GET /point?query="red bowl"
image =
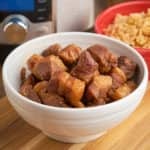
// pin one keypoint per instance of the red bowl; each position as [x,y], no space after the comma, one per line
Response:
[107,16]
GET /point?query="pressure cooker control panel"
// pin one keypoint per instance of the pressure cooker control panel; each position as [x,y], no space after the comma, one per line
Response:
[21,20]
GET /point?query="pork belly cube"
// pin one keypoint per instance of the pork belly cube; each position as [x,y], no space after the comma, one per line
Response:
[74,91]
[53,84]
[27,91]
[103,57]
[62,80]
[69,87]
[118,77]
[33,60]
[131,84]
[26,88]
[96,92]
[52,50]
[48,66]
[56,65]
[123,90]
[127,65]
[42,85]
[86,67]
[41,70]
[70,54]
[52,99]
[57,83]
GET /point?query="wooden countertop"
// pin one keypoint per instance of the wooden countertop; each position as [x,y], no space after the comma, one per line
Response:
[132,134]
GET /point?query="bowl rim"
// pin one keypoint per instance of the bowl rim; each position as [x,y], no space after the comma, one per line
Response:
[113,7]
[47,107]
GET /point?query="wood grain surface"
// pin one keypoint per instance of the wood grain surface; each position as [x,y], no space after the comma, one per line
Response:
[132,134]
[2,92]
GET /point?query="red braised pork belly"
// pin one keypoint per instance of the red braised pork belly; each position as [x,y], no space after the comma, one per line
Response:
[44,68]
[103,57]
[69,87]
[52,99]
[118,77]
[97,90]
[127,65]
[33,60]
[70,77]
[86,67]
[27,91]
[70,54]
[123,90]
[52,50]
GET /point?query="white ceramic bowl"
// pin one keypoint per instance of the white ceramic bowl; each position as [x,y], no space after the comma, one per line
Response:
[69,124]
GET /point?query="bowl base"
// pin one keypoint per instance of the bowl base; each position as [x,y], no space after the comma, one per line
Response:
[69,139]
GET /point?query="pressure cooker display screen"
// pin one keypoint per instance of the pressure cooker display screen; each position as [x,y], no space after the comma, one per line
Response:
[16,5]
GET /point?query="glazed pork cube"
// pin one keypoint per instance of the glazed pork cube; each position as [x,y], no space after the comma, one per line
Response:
[42,85]
[74,91]
[26,88]
[127,65]
[56,64]
[52,99]
[103,57]
[41,70]
[57,83]
[69,87]
[27,91]
[70,54]
[48,66]
[63,77]
[132,85]
[118,77]
[33,60]
[52,50]
[53,86]
[123,90]
[96,92]
[39,67]
[86,67]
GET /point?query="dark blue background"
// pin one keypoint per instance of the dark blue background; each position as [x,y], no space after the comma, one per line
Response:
[16,5]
